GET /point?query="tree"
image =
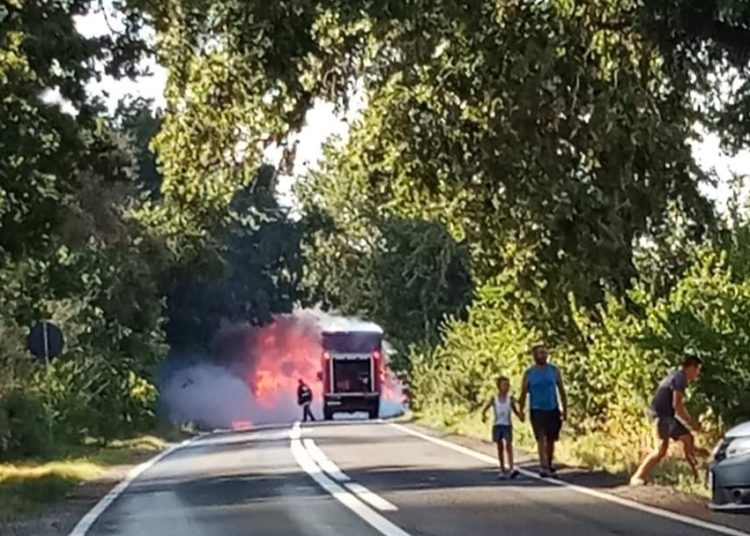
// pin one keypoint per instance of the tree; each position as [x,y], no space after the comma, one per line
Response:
[547,140]
[138,119]
[256,272]
[70,248]
[406,274]
[706,48]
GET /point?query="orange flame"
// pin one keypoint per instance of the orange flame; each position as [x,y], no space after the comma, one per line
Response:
[275,357]
[263,383]
[282,353]
[242,425]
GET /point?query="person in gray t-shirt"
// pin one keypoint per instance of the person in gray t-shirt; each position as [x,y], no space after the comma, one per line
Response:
[671,420]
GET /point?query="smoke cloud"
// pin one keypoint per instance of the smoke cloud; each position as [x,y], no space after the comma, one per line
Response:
[253,375]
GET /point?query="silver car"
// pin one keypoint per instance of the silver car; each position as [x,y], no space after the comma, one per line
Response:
[729,474]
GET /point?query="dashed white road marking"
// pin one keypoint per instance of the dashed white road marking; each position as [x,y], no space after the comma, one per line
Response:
[322,460]
[296,431]
[370,516]
[373,499]
[713,527]
[332,470]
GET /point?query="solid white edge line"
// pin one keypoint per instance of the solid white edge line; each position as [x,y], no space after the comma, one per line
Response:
[720,529]
[322,460]
[85,523]
[370,516]
[371,498]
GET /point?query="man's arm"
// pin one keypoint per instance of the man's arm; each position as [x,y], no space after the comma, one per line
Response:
[563,395]
[678,401]
[524,392]
[516,408]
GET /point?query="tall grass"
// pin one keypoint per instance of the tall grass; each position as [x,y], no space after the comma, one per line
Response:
[27,486]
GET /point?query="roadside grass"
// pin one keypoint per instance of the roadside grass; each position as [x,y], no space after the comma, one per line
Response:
[594,451]
[27,486]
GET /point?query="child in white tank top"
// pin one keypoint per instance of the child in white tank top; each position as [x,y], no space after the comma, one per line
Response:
[503,405]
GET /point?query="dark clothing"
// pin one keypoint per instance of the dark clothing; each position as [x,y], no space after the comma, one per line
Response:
[304,395]
[306,413]
[662,404]
[502,432]
[304,398]
[670,428]
[546,424]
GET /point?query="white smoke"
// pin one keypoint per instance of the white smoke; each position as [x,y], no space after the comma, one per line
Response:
[216,395]
[328,322]
[211,397]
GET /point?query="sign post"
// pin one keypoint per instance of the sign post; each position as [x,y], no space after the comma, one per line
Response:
[46,341]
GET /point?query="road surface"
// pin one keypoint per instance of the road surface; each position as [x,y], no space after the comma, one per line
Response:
[366,479]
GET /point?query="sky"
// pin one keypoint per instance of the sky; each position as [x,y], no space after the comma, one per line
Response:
[326,123]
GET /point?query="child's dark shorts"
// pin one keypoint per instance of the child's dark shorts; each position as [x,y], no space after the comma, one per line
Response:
[502,432]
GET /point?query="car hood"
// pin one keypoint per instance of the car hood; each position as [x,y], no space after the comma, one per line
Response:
[741,430]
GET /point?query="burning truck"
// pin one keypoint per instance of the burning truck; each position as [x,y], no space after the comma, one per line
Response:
[353,371]
[251,377]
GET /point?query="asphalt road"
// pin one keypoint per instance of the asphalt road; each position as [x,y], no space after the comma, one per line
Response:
[355,479]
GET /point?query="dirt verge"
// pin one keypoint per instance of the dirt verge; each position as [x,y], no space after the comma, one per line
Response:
[59,518]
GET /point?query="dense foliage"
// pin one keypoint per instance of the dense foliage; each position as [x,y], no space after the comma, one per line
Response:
[611,379]
[552,139]
[69,249]
[93,238]
[532,156]
[408,275]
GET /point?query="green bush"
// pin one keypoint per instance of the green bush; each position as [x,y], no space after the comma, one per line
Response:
[611,366]
[25,426]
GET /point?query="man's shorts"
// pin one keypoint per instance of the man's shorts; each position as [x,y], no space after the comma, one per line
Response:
[546,424]
[670,428]
[502,432]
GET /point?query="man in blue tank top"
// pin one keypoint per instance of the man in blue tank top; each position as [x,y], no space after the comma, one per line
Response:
[541,383]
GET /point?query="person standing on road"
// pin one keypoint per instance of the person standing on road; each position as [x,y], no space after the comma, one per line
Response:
[541,384]
[304,399]
[671,419]
[504,405]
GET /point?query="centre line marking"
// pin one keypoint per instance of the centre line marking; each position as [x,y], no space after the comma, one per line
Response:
[373,499]
[322,460]
[370,516]
[332,470]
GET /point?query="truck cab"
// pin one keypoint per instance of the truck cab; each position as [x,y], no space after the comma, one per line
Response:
[352,372]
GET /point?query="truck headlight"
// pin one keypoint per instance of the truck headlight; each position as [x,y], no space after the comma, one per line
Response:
[738,447]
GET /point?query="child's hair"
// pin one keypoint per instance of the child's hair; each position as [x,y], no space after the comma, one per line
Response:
[502,378]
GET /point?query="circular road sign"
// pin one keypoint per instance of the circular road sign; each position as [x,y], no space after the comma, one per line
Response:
[46,341]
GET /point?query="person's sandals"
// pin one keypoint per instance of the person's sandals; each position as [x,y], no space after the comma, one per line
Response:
[514,474]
